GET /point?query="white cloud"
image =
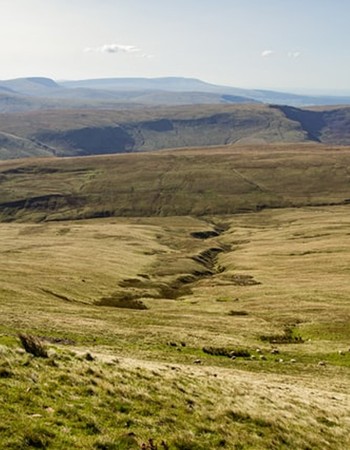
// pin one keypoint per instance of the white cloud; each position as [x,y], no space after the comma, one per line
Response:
[267,53]
[294,55]
[114,48]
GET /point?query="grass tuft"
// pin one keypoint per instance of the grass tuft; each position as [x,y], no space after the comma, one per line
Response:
[287,337]
[33,345]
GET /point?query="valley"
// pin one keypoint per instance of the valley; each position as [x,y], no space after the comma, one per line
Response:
[220,331]
[69,132]
[176,299]
[174,225]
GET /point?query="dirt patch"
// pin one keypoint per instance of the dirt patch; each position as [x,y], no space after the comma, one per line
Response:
[238,313]
[208,258]
[174,290]
[205,234]
[228,352]
[122,300]
[158,288]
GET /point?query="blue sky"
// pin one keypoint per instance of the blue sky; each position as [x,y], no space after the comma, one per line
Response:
[271,44]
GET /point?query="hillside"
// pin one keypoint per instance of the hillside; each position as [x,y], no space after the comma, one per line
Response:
[221,180]
[88,132]
[17,147]
[91,132]
[177,333]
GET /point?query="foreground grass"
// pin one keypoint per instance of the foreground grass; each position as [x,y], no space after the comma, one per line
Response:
[90,401]
[275,297]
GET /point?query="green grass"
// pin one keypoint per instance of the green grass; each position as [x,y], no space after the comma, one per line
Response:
[68,401]
[196,182]
[118,377]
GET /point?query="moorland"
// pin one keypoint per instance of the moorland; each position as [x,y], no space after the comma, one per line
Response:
[174,267]
[183,299]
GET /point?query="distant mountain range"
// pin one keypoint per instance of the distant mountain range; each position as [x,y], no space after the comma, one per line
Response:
[36,93]
[43,117]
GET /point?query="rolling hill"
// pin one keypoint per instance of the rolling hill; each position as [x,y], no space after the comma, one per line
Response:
[209,181]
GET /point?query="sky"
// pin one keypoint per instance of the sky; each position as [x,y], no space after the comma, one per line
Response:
[290,45]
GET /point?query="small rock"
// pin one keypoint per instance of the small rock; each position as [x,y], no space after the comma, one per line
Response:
[274,351]
[322,363]
[49,410]
[172,344]
[340,352]
[258,350]
[89,357]
[280,360]
[183,344]
[233,357]
[34,377]
[197,361]
[253,357]
[263,357]
[293,360]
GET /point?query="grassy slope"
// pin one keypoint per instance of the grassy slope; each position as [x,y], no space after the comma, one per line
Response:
[138,386]
[14,147]
[281,274]
[221,180]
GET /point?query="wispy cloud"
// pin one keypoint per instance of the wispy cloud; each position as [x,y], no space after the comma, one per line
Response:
[114,48]
[290,54]
[267,53]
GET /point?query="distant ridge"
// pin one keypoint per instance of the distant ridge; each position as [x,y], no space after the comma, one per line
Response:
[95,132]
[106,93]
[32,86]
[178,84]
